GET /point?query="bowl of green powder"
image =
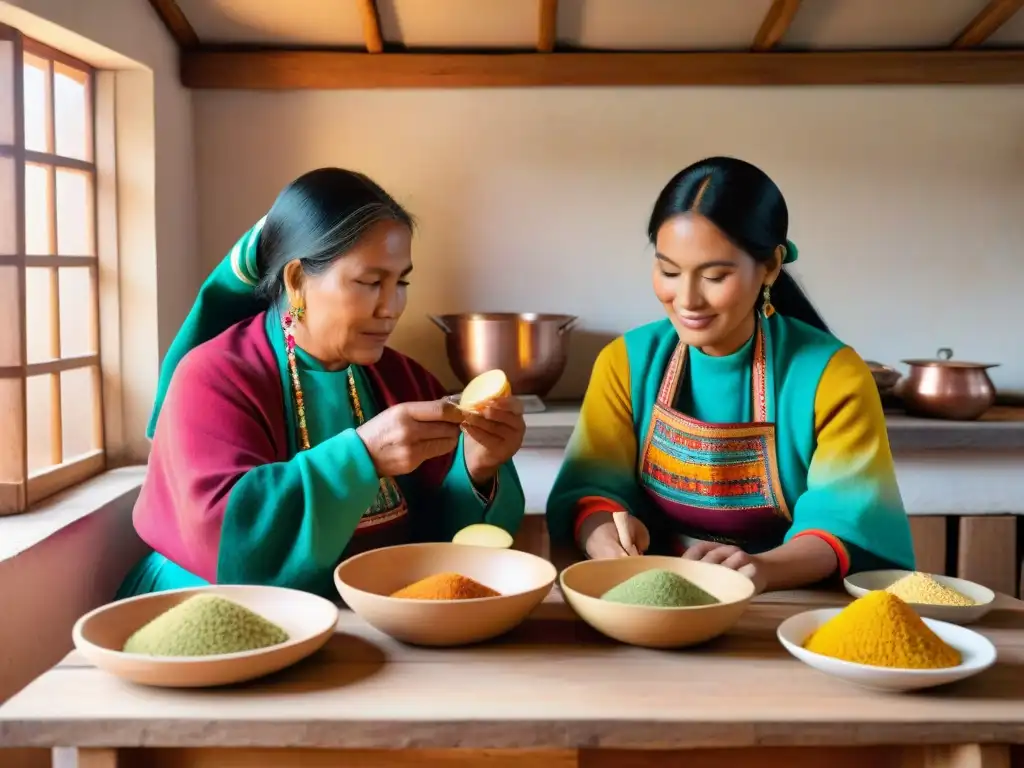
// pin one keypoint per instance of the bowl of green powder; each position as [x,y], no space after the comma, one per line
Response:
[657,602]
[931,595]
[206,636]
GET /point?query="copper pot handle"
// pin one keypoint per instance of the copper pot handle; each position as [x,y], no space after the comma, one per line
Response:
[439,323]
[567,325]
[945,353]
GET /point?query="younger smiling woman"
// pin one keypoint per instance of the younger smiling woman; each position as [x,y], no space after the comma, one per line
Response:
[738,430]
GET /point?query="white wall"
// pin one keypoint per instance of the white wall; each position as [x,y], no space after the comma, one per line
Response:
[907,203]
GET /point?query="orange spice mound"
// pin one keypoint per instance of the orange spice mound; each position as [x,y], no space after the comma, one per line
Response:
[445,586]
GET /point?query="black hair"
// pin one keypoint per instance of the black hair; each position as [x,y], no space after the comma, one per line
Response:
[746,205]
[317,219]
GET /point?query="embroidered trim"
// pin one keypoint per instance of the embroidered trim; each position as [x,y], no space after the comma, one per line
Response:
[712,466]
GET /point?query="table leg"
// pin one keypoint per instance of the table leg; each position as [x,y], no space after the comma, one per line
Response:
[964,756]
[97,758]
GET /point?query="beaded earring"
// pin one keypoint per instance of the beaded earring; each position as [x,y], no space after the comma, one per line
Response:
[766,304]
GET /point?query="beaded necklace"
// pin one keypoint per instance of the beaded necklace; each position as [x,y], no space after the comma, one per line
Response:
[388,488]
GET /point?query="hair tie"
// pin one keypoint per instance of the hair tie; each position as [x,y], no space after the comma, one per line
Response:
[791,253]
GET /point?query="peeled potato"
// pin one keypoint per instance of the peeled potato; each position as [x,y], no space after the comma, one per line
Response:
[483,535]
[488,386]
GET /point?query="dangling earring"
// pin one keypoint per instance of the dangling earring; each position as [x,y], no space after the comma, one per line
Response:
[766,304]
[297,310]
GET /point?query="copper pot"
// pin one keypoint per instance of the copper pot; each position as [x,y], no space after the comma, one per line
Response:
[530,348]
[947,389]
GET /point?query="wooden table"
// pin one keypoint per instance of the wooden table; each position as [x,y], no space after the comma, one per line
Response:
[552,693]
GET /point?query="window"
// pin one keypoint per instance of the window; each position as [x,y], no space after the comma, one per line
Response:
[51,411]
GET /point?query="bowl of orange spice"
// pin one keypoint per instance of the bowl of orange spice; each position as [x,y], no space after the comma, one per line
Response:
[444,594]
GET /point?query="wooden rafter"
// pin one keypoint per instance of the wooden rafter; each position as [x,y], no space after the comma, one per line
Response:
[172,17]
[371,26]
[989,19]
[548,22]
[262,70]
[776,21]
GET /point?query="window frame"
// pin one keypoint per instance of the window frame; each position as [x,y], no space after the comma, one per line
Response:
[20,489]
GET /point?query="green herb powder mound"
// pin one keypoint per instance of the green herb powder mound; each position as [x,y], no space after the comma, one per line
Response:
[205,625]
[659,588]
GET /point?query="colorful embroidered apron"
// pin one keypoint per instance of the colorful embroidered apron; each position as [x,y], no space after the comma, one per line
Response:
[718,482]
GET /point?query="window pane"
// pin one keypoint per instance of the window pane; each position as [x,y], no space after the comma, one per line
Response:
[6,92]
[71,112]
[38,314]
[37,102]
[10,341]
[8,235]
[37,210]
[77,307]
[40,423]
[74,213]
[78,404]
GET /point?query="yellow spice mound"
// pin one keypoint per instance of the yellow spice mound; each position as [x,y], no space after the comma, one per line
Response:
[881,630]
[921,588]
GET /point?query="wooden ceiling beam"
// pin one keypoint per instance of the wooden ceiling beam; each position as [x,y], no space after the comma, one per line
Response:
[276,70]
[172,17]
[989,19]
[548,23]
[371,26]
[780,15]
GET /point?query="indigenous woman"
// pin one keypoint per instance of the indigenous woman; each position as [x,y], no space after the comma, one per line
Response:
[738,430]
[286,435]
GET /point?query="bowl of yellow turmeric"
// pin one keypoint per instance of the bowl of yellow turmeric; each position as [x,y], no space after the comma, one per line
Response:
[932,596]
[878,641]
[444,594]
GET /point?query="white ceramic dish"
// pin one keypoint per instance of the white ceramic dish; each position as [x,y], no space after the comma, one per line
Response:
[977,653]
[308,619]
[859,584]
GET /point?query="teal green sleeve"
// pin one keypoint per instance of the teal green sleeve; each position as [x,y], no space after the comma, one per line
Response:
[853,499]
[458,504]
[287,523]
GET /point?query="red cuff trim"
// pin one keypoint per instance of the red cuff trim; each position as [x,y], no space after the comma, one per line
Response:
[591,505]
[837,546]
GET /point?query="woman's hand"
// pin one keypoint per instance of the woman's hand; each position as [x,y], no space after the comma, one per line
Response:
[729,556]
[403,436]
[493,435]
[599,537]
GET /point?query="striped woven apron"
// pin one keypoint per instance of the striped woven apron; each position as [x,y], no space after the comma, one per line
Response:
[717,482]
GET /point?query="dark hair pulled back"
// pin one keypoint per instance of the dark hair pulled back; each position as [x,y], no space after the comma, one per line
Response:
[745,204]
[317,219]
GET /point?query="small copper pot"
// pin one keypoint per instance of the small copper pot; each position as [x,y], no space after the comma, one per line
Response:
[947,389]
[532,349]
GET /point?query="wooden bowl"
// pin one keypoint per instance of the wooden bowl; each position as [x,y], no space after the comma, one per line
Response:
[583,584]
[859,584]
[308,619]
[366,581]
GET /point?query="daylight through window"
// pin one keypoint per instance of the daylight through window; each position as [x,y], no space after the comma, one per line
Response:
[50,390]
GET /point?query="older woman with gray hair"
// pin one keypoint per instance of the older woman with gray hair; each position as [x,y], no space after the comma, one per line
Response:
[286,435]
